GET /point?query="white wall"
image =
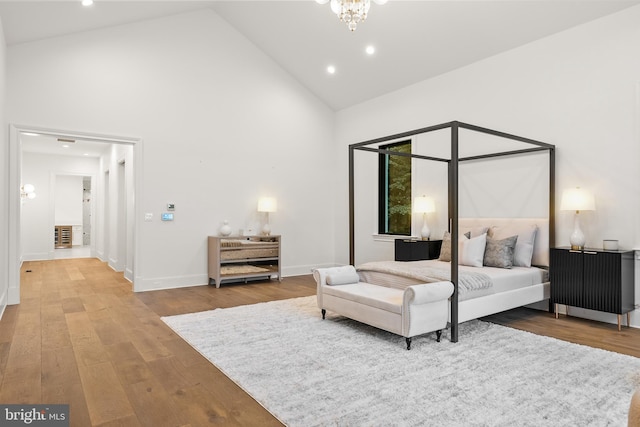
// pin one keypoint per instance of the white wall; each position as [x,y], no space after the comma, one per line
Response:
[40,215]
[116,247]
[68,205]
[68,200]
[4,181]
[578,90]
[221,124]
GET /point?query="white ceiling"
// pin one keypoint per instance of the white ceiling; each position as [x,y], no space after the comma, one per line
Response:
[48,144]
[415,40]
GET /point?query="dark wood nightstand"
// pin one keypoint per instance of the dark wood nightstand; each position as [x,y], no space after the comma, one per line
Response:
[416,250]
[594,279]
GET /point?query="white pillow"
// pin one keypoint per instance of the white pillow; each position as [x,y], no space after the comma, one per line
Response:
[473,231]
[524,245]
[345,276]
[472,251]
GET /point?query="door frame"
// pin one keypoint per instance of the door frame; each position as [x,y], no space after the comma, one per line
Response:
[15,173]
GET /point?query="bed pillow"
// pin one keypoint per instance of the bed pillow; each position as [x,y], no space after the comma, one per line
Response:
[473,231]
[445,249]
[524,246]
[472,251]
[499,253]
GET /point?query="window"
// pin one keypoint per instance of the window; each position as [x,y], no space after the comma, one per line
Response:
[394,190]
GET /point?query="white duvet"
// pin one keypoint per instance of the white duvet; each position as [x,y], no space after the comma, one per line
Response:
[473,281]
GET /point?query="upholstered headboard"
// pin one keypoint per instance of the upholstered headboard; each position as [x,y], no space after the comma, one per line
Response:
[517,226]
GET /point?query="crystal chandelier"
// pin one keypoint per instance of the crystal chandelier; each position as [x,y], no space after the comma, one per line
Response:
[351,12]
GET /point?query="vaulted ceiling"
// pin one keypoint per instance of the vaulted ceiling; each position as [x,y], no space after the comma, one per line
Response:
[414,40]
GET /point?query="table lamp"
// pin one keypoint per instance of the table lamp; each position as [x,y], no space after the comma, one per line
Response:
[424,205]
[266,205]
[577,199]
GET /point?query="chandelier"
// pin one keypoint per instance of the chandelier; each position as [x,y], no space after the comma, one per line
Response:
[351,12]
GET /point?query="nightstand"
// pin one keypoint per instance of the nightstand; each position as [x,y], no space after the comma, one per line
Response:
[416,250]
[594,279]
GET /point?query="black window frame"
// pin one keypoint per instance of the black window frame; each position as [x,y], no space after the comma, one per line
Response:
[383,188]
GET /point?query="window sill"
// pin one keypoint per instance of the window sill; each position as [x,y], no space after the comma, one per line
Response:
[389,237]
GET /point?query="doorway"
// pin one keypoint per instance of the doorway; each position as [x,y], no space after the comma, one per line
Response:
[72,212]
[86,211]
[117,149]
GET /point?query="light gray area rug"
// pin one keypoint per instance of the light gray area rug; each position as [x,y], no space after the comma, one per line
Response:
[336,372]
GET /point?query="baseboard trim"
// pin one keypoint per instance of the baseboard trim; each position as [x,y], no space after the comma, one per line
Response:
[37,256]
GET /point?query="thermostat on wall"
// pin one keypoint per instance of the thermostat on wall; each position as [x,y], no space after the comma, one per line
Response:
[167,216]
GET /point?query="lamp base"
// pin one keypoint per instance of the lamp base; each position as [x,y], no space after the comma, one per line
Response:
[425,233]
[577,238]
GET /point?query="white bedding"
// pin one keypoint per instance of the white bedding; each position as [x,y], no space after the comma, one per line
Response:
[502,279]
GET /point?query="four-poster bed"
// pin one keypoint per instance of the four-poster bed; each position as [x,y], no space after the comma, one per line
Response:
[497,302]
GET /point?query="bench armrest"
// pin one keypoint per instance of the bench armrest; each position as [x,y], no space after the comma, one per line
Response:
[427,292]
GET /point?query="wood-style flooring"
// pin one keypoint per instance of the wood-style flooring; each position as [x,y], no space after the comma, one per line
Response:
[80,336]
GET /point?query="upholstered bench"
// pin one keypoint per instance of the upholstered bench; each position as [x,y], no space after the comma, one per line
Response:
[415,310]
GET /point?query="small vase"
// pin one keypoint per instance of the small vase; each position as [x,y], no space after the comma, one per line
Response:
[225,230]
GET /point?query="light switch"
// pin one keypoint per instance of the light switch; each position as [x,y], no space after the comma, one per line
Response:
[148,217]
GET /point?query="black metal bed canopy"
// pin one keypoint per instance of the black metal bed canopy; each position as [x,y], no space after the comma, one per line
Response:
[453,164]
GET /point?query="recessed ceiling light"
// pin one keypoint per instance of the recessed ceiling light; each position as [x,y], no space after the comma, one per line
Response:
[370,50]
[331,69]
[87,2]
[65,146]
[86,154]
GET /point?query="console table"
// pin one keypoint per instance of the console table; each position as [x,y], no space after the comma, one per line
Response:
[243,258]
[594,279]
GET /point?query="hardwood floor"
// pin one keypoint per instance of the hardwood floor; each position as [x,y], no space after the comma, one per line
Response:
[573,329]
[81,336]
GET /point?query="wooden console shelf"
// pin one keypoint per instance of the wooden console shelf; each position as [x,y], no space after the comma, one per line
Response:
[243,258]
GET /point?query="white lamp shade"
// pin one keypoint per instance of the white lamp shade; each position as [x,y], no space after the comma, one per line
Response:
[267,204]
[423,205]
[577,199]
[28,188]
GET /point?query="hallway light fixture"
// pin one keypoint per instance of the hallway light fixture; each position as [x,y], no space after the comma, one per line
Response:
[87,2]
[351,12]
[27,191]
